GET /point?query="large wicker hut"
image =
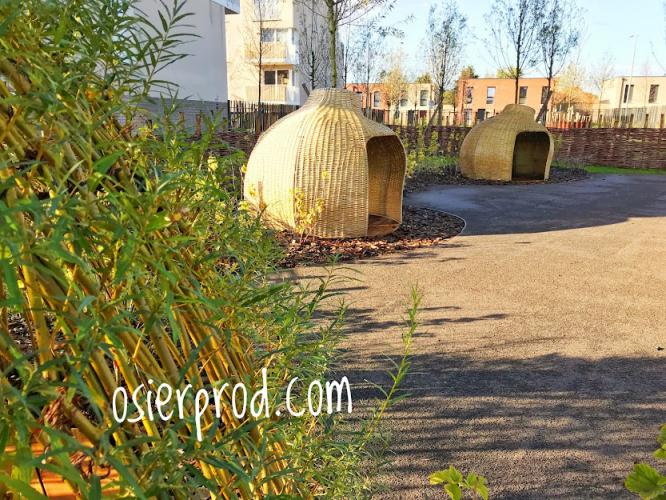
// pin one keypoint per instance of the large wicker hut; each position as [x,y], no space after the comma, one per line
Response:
[510,146]
[328,166]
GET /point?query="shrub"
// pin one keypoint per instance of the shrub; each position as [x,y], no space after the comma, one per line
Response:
[126,259]
[644,480]
[455,484]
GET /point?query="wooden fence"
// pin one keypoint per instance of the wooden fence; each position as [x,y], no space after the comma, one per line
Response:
[246,116]
[637,147]
[633,148]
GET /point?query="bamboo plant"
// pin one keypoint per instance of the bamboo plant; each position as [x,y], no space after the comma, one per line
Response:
[123,263]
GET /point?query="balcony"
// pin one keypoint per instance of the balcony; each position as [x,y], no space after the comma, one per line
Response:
[272,51]
[275,94]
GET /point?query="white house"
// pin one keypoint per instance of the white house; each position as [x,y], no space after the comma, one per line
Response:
[201,77]
[284,33]
[633,101]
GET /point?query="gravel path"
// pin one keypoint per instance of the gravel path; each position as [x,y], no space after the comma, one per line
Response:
[538,362]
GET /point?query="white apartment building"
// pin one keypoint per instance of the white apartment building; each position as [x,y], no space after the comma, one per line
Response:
[201,77]
[279,31]
[633,101]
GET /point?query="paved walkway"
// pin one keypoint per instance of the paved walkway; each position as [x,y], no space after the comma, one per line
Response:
[538,362]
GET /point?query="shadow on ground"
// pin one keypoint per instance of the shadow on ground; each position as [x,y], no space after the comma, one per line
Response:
[598,201]
[577,425]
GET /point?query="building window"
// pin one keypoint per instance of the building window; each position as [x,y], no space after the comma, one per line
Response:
[544,95]
[404,103]
[269,35]
[654,94]
[480,115]
[423,98]
[279,77]
[469,94]
[490,95]
[522,95]
[628,93]
[282,35]
[266,9]
[269,77]
[377,100]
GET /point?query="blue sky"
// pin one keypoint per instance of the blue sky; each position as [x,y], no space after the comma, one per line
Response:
[609,25]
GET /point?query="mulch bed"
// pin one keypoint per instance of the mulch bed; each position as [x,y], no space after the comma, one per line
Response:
[421,228]
[450,175]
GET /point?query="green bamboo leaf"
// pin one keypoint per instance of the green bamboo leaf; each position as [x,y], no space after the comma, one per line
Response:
[95,491]
[103,165]
[14,296]
[126,475]
[21,488]
[4,437]
[158,221]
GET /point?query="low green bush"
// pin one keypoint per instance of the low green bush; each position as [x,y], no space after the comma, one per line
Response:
[644,480]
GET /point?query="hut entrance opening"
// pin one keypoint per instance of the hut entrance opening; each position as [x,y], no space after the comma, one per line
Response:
[386,172]
[530,155]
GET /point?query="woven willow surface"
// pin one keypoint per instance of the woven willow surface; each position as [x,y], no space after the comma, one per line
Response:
[509,145]
[328,155]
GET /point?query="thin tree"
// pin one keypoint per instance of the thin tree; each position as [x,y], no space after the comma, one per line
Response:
[349,55]
[395,83]
[514,35]
[467,73]
[559,34]
[368,50]
[339,13]
[313,46]
[257,46]
[570,93]
[447,28]
[658,52]
[601,72]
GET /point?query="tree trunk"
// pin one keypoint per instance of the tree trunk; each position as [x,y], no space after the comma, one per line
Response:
[542,117]
[441,106]
[333,42]
[367,84]
[518,49]
[259,125]
[312,71]
[545,104]
[517,88]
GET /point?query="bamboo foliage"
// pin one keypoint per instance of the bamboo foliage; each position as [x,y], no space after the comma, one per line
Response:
[124,264]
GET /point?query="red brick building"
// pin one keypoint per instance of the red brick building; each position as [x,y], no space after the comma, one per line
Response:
[482,98]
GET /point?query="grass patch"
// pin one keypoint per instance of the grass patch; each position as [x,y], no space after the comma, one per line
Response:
[601,169]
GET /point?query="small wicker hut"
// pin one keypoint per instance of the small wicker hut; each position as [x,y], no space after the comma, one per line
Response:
[329,167]
[510,146]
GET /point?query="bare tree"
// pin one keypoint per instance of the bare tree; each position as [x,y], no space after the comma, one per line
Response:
[601,72]
[395,83]
[466,73]
[370,50]
[313,43]
[559,34]
[257,42]
[339,13]
[367,50]
[447,27]
[657,53]
[349,55]
[514,35]
[509,73]
[570,93]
